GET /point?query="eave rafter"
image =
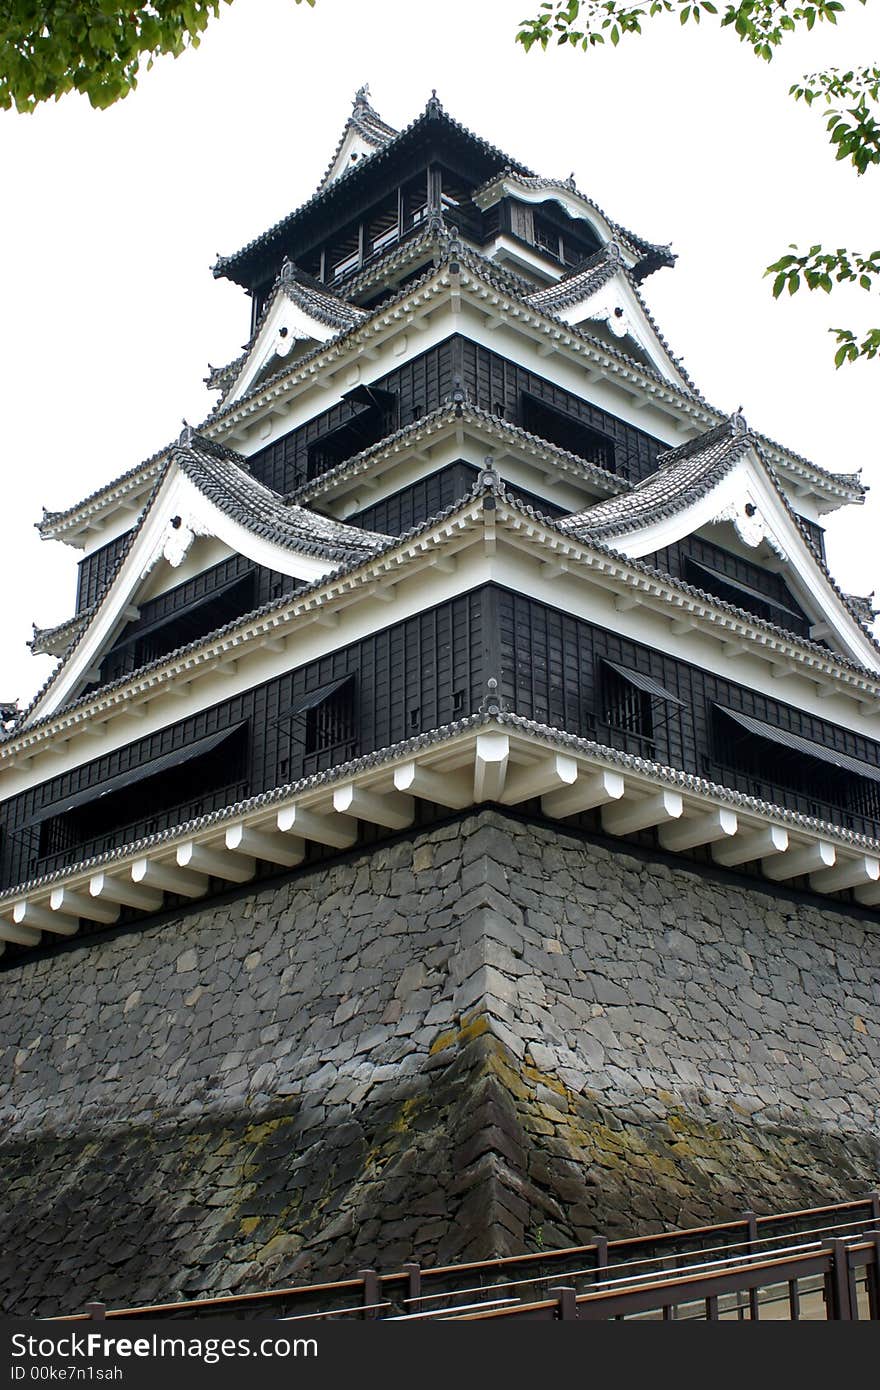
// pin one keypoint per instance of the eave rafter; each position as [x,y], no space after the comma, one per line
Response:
[441,545]
[480,291]
[487,759]
[473,283]
[460,423]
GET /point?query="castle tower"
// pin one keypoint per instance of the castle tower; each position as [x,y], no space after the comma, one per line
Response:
[453,823]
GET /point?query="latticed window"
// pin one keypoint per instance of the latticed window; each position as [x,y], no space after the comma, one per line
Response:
[626,707]
[331,725]
[375,418]
[779,764]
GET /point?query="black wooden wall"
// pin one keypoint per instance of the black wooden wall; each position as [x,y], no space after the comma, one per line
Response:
[781,607]
[427,671]
[191,610]
[497,385]
[414,505]
[96,570]
[551,669]
[420,385]
[412,676]
[426,382]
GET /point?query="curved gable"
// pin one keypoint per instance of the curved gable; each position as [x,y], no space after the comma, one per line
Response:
[205,491]
[722,477]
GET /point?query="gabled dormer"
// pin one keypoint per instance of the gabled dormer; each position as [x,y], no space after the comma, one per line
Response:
[207,513]
[721,486]
[363,133]
[298,315]
[601,296]
[556,219]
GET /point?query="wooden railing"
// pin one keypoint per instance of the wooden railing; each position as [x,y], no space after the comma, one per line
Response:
[838,1283]
[818,1262]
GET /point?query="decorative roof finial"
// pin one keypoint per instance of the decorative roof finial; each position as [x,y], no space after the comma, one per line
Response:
[9,709]
[613,251]
[738,423]
[187,434]
[434,106]
[362,95]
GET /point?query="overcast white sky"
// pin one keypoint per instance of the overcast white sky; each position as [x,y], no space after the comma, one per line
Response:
[112,220]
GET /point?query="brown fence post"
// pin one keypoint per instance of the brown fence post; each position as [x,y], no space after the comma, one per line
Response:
[751,1221]
[601,1245]
[371,1292]
[96,1311]
[414,1287]
[874,1199]
[874,1282]
[567,1302]
[840,1301]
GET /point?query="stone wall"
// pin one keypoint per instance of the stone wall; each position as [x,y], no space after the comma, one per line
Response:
[487,1037]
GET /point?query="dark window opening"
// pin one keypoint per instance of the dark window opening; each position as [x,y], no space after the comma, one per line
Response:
[457,701]
[743,595]
[383,228]
[159,631]
[627,709]
[345,254]
[777,765]
[415,204]
[330,725]
[415,717]
[548,239]
[376,417]
[565,431]
[192,780]
[457,205]
[634,705]
[568,245]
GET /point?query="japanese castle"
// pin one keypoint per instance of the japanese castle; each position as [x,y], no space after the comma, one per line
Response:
[459,529]
[459,537]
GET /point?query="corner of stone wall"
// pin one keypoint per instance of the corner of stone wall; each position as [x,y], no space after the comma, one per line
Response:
[447,1047]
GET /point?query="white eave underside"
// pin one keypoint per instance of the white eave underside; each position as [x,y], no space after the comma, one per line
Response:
[239,420]
[633,590]
[483,760]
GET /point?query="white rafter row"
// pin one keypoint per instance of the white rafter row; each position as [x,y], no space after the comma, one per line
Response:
[485,763]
